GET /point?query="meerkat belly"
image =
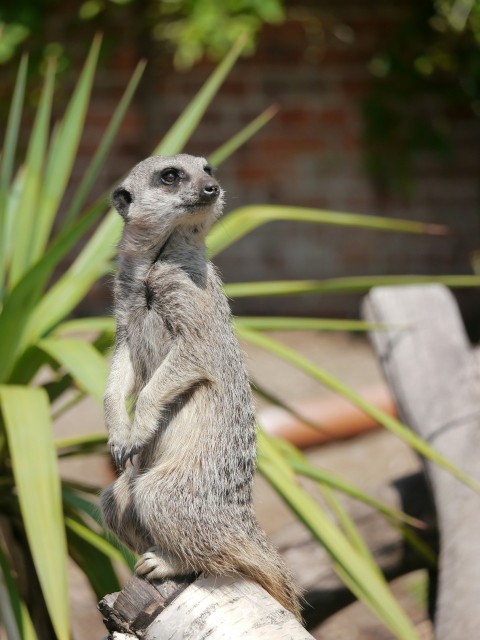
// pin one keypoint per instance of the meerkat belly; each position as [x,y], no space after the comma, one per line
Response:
[200,416]
[182,431]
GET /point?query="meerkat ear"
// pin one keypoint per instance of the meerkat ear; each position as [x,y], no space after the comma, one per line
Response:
[121,200]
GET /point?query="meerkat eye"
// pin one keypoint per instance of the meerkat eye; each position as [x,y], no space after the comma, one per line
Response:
[170,176]
[208,170]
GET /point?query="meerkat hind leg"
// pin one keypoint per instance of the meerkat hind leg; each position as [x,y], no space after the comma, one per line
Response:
[156,563]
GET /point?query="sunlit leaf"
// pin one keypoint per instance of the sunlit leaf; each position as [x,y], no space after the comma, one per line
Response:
[226,150]
[74,499]
[94,539]
[84,363]
[369,586]
[104,146]
[350,529]
[13,125]
[24,223]
[344,520]
[85,325]
[80,445]
[277,323]
[95,564]
[327,481]
[17,329]
[8,157]
[12,202]
[28,365]
[356,284]
[62,155]
[238,223]
[62,298]
[174,141]
[389,422]
[300,465]
[26,415]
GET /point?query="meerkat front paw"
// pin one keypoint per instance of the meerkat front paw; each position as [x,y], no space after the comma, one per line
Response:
[156,564]
[122,452]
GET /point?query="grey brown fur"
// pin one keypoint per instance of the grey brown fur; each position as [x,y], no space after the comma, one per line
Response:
[185,502]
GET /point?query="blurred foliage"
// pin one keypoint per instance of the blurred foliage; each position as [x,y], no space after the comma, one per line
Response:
[429,72]
[11,36]
[194,28]
[190,29]
[22,21]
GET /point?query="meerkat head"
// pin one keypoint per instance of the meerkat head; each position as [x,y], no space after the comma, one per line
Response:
[162,193]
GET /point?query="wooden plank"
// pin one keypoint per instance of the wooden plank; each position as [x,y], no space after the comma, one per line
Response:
[433,373]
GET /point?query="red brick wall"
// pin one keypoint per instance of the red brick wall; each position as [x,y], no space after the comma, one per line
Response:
[310,155]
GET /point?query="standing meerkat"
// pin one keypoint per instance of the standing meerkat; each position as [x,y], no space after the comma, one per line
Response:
[185,502]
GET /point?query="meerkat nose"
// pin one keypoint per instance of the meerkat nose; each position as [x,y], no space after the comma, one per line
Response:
[210,191]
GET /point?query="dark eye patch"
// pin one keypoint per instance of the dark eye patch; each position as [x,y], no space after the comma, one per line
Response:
[168,177]
[208,170]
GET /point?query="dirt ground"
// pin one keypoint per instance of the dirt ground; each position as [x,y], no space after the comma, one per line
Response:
[366,460]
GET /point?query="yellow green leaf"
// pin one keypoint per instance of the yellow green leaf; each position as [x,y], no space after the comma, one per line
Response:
[82,361]
[26,414]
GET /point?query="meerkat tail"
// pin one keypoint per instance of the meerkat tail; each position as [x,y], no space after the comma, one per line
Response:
[271,573]
[278,584]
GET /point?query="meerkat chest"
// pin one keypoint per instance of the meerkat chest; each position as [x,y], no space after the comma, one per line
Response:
[155,307]
[140,313]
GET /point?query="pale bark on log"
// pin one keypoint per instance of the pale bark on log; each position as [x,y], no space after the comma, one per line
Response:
[433,373]
[219,608]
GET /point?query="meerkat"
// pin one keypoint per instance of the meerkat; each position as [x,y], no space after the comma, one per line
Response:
[185,501]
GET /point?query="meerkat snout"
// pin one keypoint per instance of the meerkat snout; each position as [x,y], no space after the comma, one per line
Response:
[209,192]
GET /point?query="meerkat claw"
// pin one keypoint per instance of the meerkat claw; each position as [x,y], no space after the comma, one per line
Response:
[154,565]
[132,454]
[118,455]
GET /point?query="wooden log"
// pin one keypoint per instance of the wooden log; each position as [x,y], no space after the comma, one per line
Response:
[219,608]
[433,373]
[134,608]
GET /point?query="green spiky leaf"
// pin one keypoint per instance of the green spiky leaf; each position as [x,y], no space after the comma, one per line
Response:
[26,415]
